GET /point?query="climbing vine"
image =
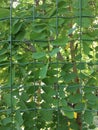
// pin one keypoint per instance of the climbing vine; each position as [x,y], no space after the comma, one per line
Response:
[48,64]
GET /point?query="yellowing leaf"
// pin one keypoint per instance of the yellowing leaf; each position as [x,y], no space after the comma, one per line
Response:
[75,115]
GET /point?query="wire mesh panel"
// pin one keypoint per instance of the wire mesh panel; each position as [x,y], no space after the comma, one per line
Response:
[48,64]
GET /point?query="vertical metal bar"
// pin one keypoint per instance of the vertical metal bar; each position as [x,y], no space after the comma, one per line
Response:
[34,76]
[58,118]
[11,87]
[80,38]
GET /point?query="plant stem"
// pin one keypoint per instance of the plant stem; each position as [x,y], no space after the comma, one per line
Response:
[76,80]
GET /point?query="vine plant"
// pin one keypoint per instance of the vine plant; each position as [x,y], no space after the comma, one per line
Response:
[48,64]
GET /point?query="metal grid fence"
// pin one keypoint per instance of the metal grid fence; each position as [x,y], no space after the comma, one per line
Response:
[48,64]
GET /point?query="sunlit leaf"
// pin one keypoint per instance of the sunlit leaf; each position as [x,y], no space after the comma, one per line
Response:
[54,51]
[43,71]
[38,55]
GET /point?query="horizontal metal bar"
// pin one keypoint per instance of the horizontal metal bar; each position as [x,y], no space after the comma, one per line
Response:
[59,17]
[49,109]
[59,63]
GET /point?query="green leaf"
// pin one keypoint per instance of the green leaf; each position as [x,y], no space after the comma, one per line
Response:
[91,97]
[47,98]
[46,115]
[69,77]
[3,51]
[88,117]
[62,94]
[92,126]
[75,98]
[89,89]
[97,55]
[7,99]
[86,48]
[86,22]
[68,112]
[72,88]
[16,28]
[52,12]
[3,58]
[54,51]
[83,76]
[63,102]
[39,29]
[60,41]
[96,48]
[19,118]
[7,120]
[20,35]
[80,107]
[4,13]
[5,128]
[38,55]
[22,105]
[38,36]
[74,125]
[81,66]
[24,96]
[76,4]
[47,89]
[18,127]
[71,31]
[43,72]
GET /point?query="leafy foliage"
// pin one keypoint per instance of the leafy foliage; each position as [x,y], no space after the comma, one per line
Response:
[48,64]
